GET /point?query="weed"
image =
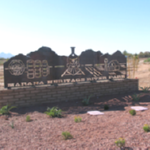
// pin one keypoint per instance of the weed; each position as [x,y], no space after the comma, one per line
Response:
[136,97]
[106,107]
[120,142]
[146,128]
[66,135]
[54,112]
[85,101]
[132,112]
[5,109]
[28,118]
[12,124]
[145,89]
[77,119]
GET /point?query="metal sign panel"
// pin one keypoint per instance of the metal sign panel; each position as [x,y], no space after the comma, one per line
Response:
[45,66]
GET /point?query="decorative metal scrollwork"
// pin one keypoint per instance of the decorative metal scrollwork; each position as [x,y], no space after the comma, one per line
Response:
[73,68]
[39,65]
[45,68]
[30,69]
[16,67]
[37,69]
[114,65]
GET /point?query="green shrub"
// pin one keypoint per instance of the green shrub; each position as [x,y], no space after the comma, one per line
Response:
[77,119]
[146,128]
[120,142]
[145,89]
[132,112]
[28,118]
[5,109]
[136,97]
[85,101]
[66,135]
[106,107]
[147,60]
[54,112]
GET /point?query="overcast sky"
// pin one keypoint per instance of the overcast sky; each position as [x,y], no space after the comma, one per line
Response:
[105,25]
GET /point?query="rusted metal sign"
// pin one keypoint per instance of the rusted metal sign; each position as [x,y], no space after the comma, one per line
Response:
[44,66]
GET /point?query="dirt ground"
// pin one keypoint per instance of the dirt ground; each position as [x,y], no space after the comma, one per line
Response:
[92,133]
[143,74]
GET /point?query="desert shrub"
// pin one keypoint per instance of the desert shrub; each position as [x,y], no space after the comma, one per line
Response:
[5,109]
[136,97]
[86,101]
[66,135]
[145,89]
[28,118]
[146,128]
[77,119]
[54,112]
[132,112]
[120,142]
[147,60]
[106,107]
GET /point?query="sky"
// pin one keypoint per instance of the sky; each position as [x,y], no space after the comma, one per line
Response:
[101,25]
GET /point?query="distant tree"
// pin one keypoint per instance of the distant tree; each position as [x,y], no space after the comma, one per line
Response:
[130,55]
[147,54]
[135,54]
[125,53]
[141,54]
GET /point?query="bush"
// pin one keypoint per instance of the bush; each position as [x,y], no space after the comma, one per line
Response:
[77,119]
[85,101]
[66,135]
[5,109]
[54,112]
[120,142]
[145,89]
[147,60]
[132,112]
[146,128]
[136,97]
[28,119]
[106,107]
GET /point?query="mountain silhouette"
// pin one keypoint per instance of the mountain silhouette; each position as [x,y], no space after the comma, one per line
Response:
[5,55]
